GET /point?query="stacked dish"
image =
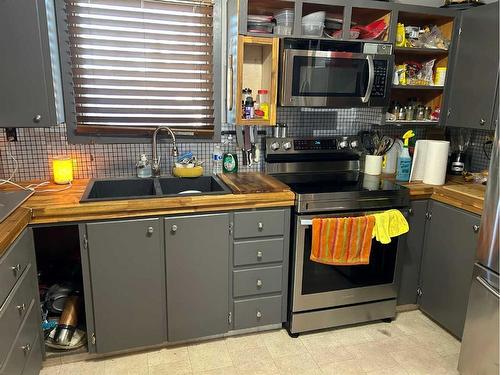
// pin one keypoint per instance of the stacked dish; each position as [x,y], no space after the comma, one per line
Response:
[284,22]
[313,24]
[260,24]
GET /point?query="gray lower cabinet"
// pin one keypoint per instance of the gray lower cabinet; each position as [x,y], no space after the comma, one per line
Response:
[197,263]
[475,70]
[126,275]
[447,266]
[260,267]
[412,253]
[30,78]
[20,333]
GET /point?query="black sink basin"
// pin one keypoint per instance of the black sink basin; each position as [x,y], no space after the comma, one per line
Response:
[192,186]
[139,188]
[130,188]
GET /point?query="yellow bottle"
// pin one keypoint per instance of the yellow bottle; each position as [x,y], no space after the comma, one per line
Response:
[400,35]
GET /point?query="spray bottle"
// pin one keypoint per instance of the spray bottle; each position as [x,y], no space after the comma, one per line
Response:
[404,159]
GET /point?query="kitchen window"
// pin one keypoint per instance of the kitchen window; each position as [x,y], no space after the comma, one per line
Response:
[134,65]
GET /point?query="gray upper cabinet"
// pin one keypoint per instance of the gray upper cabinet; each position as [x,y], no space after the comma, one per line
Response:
[30,79]
[412,254]
[197,256]
[449,253]
[127,278]
[475,70]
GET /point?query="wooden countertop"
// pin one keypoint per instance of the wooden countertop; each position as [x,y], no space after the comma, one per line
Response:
[455,192]
[12,227]
[252,182]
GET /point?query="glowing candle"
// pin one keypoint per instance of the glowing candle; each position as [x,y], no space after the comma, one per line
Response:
[62,170]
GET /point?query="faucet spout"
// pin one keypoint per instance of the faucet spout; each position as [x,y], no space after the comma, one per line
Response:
[156,161]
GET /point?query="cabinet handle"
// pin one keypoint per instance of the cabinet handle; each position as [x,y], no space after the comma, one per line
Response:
[259,314]
[475,227]
[26,348]
[150,230]
[259,283]
[260,226]
[21,308]
[259,255]
[482,122]
[37,118]
[174,228]
[16,268]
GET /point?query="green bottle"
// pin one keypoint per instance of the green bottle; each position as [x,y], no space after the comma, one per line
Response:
[230,158]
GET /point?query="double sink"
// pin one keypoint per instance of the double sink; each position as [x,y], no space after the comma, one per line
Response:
[139,188]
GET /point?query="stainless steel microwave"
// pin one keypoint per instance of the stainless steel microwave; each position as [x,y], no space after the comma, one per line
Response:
[323,73]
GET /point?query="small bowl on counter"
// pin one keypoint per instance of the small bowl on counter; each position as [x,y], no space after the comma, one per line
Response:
[187,172]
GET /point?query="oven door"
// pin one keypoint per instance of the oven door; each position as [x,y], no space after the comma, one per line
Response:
[334,79]
[318,286]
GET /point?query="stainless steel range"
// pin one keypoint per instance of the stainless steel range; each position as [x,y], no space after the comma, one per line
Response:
[325,174]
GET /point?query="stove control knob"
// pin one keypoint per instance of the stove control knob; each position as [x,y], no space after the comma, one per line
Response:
[275,146]
[343,144]
[354,143]
[287,146]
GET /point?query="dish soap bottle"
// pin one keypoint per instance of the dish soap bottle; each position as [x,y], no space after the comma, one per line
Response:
[230,159]
[404,159]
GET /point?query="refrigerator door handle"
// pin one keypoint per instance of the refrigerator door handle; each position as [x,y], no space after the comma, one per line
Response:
[487,285]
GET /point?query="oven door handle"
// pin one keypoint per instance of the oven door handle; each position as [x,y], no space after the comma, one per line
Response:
[371,79]
[305,222]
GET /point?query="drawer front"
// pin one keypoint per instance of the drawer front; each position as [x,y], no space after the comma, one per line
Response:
[257,281]
[24,344]
[259,223]
[258,251]
[14,262]
[257,312]
[34,362]
[14,311]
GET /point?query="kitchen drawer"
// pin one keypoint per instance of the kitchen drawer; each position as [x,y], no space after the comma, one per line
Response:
[257,281]
[259,223]
[25,342]
[34,362]
[258,251]
[257,312]
[13,263]
[15,309]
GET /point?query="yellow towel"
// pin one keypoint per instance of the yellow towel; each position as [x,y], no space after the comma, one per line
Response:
[343,241]
[389,224]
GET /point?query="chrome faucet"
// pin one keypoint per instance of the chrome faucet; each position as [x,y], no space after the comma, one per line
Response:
[155,166]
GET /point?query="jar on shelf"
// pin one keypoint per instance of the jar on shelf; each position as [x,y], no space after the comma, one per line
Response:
[420,115]
[410,113]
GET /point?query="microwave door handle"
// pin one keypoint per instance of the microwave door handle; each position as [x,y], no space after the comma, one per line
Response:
[371,78]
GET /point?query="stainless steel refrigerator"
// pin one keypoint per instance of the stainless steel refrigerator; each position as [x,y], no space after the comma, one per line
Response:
[479,354]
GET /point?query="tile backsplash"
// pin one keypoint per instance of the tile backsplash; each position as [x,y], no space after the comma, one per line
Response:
[36,147]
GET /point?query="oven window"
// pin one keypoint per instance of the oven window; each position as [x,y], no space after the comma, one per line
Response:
[321,76]
[319,278]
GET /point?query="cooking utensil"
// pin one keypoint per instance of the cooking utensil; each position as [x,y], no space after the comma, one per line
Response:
[384,145]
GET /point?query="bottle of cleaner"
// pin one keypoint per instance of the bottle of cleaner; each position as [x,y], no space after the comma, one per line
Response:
[217,160]
[230,159]
[404,159]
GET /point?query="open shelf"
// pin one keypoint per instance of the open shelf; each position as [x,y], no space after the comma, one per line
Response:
[268,8]
[444,23]
[365,16]
[417,87]
[257,69]
[420,51]
[412,122]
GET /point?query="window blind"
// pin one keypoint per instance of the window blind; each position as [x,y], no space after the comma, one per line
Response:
[140,64]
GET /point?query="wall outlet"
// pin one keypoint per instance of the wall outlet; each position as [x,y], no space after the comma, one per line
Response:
[11,134]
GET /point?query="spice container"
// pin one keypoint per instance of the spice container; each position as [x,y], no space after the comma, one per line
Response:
[249,108]
[401,115]
[262,104]
[410,113]
[420,116]
[428,111]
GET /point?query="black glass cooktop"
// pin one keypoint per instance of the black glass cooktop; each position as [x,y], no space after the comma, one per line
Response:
[336,182]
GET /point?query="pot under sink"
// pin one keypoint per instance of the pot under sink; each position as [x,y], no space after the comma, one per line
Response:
[139,188]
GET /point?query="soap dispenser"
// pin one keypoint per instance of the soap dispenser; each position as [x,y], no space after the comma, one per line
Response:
[143,167]
[404,159]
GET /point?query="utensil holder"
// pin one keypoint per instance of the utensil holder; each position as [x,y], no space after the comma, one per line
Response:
[373,165]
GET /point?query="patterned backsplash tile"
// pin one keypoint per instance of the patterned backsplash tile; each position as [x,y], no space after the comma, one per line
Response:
[36,147]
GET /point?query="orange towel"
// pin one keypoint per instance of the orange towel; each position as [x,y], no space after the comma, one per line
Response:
[344,241]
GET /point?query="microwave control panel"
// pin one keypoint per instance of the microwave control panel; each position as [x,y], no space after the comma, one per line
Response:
[380,79]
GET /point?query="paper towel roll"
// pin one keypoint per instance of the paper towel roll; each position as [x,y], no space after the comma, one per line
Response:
[436,160]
